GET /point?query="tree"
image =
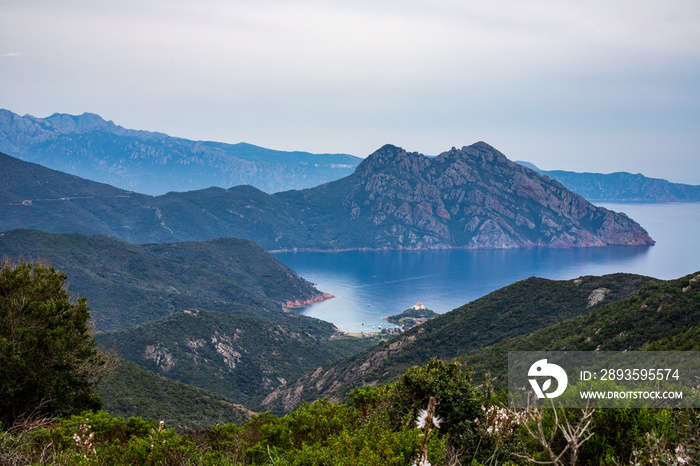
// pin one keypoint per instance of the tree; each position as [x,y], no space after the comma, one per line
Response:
[49,362]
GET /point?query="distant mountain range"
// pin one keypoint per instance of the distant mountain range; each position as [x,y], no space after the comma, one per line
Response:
[155,163]
[472,197]
[617,312]
[621,186]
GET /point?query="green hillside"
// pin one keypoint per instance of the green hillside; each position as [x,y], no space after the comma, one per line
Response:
[663,316]
[127,284]
[132,390]
[434,412]
[517,309]
[241,358]
[242,262]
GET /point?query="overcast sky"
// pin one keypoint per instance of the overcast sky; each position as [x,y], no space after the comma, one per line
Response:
[595,85]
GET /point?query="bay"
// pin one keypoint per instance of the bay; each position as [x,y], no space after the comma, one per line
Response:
[370,285]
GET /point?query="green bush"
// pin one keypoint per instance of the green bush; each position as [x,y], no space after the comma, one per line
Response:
[49,364]
[458,402]
[617,432]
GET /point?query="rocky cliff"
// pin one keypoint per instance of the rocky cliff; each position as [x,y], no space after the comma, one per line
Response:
[472,197]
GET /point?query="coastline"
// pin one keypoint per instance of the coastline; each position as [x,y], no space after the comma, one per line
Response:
[448,248]
[290,305]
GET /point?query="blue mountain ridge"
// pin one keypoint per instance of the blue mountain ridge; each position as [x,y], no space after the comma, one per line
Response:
[155,163]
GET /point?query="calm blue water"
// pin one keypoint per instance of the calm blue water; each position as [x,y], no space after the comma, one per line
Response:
[371,285]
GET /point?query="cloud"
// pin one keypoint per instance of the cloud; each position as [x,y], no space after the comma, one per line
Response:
[599,81]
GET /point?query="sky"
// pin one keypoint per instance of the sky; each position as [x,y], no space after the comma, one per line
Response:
[596,85]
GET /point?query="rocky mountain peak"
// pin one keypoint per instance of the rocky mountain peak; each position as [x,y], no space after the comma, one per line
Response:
[382,158]
[30,129]
[475,197]
[65,123]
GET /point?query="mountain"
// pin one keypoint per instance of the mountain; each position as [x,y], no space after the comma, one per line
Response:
[155,163]
[132,391]
[127,284]
[472,197]
[515,310]
[238,357]
[32,196]
[621,186]
[661,317]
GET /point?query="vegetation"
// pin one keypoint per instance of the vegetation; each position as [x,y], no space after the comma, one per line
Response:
[238,357]
[129,284]
[49,363]
[662,316]
[132,391]
[432,415]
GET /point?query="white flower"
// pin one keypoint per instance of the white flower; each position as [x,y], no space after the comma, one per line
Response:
[681,457]
[422,463]
[422,416]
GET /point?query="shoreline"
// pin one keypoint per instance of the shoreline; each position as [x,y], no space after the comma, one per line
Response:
[290,305]
[452,248]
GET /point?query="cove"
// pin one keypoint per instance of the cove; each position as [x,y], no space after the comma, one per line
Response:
[369,285]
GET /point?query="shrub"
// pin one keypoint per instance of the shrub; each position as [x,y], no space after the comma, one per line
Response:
[49,363]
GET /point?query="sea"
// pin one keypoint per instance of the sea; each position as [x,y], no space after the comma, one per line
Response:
[371,285]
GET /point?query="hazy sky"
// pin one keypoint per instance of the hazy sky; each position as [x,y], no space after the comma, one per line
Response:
[595,85]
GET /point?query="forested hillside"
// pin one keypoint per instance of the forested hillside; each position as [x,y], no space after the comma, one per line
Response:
[129,284]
